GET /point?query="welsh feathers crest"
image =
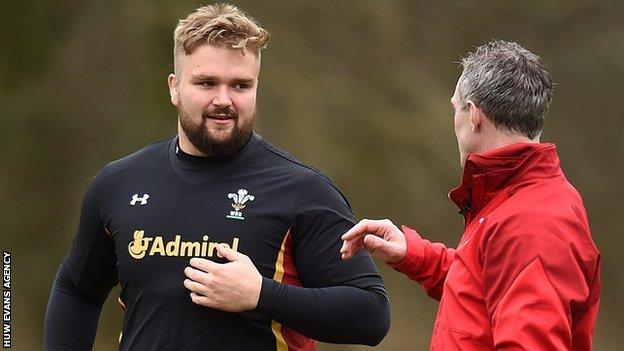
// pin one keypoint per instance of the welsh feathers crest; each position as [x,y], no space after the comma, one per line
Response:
[239,200]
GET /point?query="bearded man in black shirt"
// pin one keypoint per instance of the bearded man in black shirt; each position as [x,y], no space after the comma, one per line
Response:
[219,240]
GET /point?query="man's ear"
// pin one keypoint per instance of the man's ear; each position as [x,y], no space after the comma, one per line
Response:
[476,115]
[173,82]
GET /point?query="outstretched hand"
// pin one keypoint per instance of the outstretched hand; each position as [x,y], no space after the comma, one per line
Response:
[234,286]
[379,237]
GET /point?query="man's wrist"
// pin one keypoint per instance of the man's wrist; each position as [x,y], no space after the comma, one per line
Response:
[414,251]
[267,292]
[256,293]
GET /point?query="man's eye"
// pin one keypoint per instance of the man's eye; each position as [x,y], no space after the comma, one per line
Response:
[241,86]
[207,84]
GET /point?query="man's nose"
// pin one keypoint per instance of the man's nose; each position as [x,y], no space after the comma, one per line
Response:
[223,97]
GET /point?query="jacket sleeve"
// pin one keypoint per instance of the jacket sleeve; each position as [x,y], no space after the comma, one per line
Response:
[425,262]
[83,281]
[539,277]
[338,301]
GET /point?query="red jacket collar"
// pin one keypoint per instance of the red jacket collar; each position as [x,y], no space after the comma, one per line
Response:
[487,173]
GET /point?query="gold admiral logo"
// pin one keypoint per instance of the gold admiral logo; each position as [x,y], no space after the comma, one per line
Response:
[141,246]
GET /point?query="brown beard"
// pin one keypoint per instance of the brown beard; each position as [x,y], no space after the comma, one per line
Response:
[205,142]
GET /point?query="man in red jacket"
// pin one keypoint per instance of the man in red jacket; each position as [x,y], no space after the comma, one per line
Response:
[526,273]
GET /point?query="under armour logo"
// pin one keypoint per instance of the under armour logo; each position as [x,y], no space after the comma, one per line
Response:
[136,198]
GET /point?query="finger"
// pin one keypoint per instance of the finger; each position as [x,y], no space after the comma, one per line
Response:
[347,255]
[197,275]
[344,247]
[229,253]
[349,247]
[195,287]
[368,226]
[201,300]
[353,243]
[356,230]
[351,250]
[376,226]
[387,251]
[375,243]
[203,264]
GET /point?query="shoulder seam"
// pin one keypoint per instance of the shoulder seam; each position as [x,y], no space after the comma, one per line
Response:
[110,166]
[292,160]
[297,198]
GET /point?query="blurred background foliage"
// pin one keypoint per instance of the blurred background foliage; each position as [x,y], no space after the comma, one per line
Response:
[359,89]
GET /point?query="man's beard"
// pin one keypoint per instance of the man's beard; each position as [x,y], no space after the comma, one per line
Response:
[208,143]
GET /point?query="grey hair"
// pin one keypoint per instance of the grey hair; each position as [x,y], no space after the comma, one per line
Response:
[509,84]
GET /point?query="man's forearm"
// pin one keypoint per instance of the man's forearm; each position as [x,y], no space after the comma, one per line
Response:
[71,319]
[338,314]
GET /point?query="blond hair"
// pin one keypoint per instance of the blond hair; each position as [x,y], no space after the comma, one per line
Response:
[222,25]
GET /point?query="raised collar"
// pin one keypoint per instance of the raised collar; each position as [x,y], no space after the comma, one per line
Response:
[488,173]
[195,169]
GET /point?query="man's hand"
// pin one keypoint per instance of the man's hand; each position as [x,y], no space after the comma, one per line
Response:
[233,287]
[379,237]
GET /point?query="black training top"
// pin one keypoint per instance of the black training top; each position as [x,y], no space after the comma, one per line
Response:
[145,215]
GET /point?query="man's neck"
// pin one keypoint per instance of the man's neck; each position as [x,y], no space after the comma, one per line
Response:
[496,139]
[493,137]
[187,147]
[503,139]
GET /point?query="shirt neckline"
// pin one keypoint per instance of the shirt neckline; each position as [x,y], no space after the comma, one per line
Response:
[197,169]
